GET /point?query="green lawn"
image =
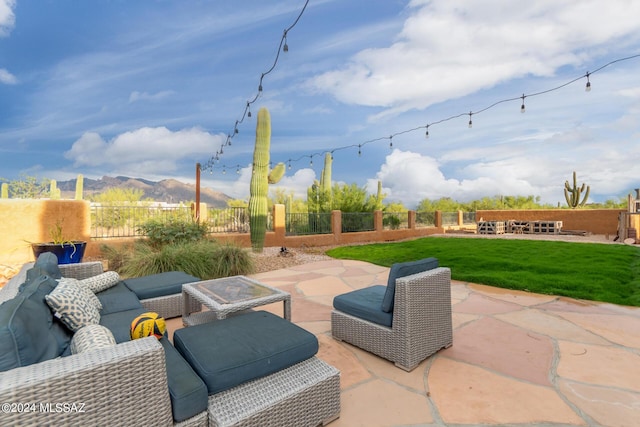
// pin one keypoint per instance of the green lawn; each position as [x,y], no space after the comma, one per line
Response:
[599,272]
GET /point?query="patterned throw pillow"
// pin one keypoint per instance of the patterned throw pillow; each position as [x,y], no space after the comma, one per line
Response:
[101,281]
[75,305]
[91,337]
[88,294]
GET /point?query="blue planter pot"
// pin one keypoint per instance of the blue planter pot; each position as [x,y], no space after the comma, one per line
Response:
[67,253]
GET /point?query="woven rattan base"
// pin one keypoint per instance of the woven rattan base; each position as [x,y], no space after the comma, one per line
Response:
[306,394]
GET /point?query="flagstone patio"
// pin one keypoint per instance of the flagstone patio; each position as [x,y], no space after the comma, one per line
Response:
[517,358]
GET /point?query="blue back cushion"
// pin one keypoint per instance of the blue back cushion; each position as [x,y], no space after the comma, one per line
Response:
[26,322]
[401,270]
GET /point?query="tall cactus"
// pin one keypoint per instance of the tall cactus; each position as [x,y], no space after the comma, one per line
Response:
[572,194]
[79,187]
[260,180]
[5,191]
[54,191]
[326,198]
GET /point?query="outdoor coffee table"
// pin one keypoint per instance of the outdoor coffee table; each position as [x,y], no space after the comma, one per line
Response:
[229,295]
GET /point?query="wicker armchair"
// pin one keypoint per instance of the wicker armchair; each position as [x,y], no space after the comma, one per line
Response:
[421,321]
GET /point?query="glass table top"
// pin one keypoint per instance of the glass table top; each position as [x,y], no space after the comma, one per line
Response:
[231,290]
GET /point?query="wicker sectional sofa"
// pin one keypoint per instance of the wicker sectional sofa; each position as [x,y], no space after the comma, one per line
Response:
[135,382]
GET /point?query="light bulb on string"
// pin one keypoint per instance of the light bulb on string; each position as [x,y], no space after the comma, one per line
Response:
[359,150]
[588,86]
[224,170]
[248,109]
[426,135]
[391,142]
[235,129]
[470,121]
[289,164]
[522,109]
[237,170]
[285,48]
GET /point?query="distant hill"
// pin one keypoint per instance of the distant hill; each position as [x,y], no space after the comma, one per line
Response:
[167,190]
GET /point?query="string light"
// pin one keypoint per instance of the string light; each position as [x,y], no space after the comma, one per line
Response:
[470,113]
[247,110]
[391,142]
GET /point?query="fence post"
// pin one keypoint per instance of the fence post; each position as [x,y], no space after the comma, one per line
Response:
[460,218]
[377,221]
[336,225]
[279,223]
[438,219]
[411,220]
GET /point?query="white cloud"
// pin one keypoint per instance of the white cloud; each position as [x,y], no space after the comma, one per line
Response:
[7,78]
[239,188]
[7,17]
[145,150]
[449,48]
[145,96]
[298,183]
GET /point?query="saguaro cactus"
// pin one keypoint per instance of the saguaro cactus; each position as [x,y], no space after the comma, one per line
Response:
[572,194]
[260,180]
[54,191]
[79,187]
[326,198]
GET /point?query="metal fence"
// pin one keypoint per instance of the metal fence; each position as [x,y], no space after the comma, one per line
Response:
[395,220]
[125,220]
[425,219]
[357,221]
[228,220]
[299,224]
[468,217]
[449,218]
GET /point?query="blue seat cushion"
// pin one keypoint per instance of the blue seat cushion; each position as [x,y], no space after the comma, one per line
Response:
[187,391]
[365,304]
[230,352]
[119,323]
[159,285]
[28,333]
[403,269]
[117,298]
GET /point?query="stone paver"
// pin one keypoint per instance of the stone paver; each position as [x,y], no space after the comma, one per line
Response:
[517,358]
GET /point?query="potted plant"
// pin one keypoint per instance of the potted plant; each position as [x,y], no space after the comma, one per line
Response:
[67,251]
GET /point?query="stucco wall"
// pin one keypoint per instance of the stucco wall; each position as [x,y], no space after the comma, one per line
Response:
[595,221]
[25,221]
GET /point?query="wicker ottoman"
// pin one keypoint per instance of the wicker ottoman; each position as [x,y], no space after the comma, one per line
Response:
[260,370]
[306,394]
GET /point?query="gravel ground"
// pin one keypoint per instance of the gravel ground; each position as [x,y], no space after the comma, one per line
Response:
[272,259]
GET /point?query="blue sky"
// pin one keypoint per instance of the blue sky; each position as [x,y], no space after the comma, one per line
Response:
[149,88]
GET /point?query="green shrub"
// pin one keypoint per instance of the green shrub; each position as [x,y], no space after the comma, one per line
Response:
[172,231]
[204,259]
[117,257]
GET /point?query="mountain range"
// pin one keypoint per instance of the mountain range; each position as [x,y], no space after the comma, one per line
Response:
[167,190]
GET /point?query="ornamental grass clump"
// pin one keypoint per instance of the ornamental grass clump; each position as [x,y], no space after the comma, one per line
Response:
[178,246]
